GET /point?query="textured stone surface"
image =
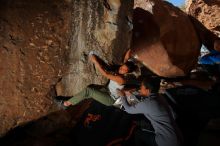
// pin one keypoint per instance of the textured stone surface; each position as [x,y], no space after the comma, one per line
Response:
[207,12]
[205,16]
[164,38]
[101,26]
[34,37]
[43,42]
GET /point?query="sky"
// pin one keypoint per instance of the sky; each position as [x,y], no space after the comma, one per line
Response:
[177,2]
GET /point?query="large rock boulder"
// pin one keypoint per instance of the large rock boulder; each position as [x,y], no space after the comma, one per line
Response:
[43,42]
[34,49]
[164,38]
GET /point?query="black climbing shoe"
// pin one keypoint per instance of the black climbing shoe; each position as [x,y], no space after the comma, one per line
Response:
[59,100]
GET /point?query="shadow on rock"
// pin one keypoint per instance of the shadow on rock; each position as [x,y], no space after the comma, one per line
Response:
[53,129]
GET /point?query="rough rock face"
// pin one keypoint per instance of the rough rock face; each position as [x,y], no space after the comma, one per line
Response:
[101,26]
[46,41]
[205,17]
[34,37]
[207,12]
[164,38]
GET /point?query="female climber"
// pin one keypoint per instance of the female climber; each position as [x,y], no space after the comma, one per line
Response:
[105,96]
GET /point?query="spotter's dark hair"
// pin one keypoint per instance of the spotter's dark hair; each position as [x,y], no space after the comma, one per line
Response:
[152,83]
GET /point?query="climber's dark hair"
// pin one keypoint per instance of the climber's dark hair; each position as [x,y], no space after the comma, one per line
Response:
[152,83]
[131,66]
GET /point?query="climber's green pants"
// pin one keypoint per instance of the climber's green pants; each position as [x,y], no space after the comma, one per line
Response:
[100,95]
